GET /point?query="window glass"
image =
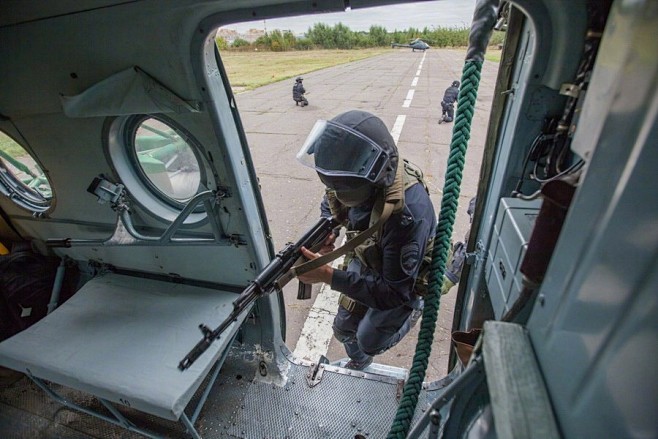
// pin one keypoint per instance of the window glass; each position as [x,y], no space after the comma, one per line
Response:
[167,160]
[21,176]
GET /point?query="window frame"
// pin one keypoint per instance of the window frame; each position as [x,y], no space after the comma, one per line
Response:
[22,195]
[119,138]
[133,124]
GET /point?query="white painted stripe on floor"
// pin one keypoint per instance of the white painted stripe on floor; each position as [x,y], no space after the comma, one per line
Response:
[397,127]
[407,101]
[317,331]
[418,72]
[414,82]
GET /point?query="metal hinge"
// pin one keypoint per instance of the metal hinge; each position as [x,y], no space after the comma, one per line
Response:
[476,257]
[508,92]
[315,371]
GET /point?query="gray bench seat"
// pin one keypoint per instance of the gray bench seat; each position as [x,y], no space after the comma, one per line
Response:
[121,338]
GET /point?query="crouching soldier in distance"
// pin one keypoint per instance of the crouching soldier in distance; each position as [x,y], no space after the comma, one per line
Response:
[298,92]
[369,188]
[448,102]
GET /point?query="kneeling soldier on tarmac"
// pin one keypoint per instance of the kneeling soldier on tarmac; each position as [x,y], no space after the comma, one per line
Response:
[448,102]
[298,92]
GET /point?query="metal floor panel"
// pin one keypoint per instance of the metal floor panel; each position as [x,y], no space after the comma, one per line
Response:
[340,406]
[239,406]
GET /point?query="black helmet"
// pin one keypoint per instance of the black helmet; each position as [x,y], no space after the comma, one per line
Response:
[353,150]
[455,84]
[299,79]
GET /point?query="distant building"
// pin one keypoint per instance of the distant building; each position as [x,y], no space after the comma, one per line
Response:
[230,35]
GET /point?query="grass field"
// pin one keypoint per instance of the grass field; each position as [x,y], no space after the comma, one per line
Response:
[492,55]
[9,146]
[249,70]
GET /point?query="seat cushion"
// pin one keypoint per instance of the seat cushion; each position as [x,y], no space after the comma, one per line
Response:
[121,338]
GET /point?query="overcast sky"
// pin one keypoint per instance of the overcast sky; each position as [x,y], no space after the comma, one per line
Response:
[442,13]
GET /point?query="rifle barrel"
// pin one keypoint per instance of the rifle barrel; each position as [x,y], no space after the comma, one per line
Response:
[264,283]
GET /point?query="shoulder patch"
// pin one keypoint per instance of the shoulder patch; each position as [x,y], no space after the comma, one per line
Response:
[410,258]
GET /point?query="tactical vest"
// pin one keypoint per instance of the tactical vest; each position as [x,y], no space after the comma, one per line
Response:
[369,252]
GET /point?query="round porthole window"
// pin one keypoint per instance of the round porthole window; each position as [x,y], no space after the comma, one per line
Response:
[166,159]
[160,163]
[21,178]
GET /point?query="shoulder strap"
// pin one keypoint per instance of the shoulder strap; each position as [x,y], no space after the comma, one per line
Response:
[349,245]
[412,175]
[393,202]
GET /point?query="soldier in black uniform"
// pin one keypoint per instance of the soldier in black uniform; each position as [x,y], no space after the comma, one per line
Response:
[448,102]
[298,92]
[357,160]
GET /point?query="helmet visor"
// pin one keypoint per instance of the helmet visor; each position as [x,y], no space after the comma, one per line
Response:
[336,150]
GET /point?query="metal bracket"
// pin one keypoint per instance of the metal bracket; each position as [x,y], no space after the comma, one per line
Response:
[222,192]
[315,371]
[126,234]
[477,256]
[509,92]
[314,375]
[399,390]
[236,240]
[571,90]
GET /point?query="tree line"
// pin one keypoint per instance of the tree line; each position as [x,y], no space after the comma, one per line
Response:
[339,36]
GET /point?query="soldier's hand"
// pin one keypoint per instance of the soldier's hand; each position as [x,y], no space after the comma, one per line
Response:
[328,244]
[323,273]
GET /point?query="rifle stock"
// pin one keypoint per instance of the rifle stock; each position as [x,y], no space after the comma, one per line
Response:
[273,278]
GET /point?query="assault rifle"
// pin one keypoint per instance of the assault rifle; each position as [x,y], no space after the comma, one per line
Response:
[273,278]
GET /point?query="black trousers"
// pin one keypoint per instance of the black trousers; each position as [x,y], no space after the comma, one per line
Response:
[448,111]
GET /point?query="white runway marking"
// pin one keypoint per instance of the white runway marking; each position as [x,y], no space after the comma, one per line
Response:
[414,82]
[408,99]
[418,72]
[397,127]
[317,331]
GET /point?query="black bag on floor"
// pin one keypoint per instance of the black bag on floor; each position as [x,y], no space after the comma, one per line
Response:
[26,281]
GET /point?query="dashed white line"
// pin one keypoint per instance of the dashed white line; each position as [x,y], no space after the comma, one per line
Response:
[408,99]
[318,327]
[414,82]
[418,72]
[397,127]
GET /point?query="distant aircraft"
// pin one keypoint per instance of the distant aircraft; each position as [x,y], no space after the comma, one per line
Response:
[415,44]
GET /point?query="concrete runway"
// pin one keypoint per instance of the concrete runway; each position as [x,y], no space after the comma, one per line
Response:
[404,89]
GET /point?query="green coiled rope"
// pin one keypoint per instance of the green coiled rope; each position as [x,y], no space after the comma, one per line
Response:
[460,134]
